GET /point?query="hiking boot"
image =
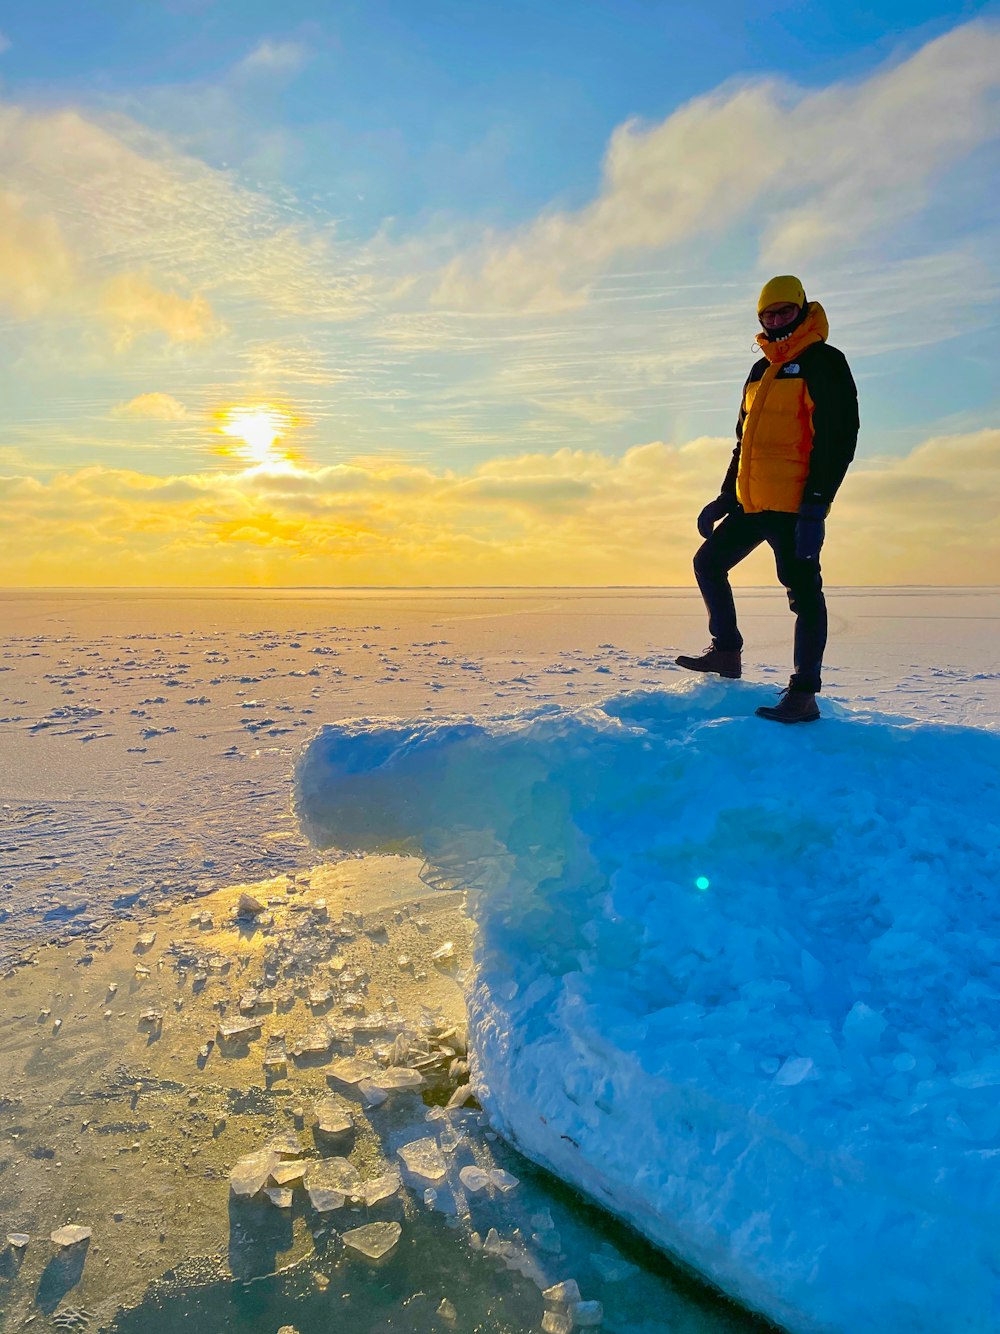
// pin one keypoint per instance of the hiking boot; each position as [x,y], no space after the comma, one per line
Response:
[794,706]
[722,661]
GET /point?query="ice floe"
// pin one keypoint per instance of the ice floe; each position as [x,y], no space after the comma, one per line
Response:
[737,982]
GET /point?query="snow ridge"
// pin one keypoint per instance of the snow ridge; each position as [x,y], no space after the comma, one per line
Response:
[738,982]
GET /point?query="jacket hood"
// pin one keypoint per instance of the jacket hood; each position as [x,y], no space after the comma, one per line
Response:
[815,328]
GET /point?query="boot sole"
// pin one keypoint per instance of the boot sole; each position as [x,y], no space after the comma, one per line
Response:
[707,671]
[773,717]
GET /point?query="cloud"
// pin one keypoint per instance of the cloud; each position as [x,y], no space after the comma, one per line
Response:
[594,410]
[37,271]
[137,264]
[128,216]
[814,174]
[42,278]
[135,305]
[5,43]
[155,406]
[291,362]
[272,58]
[571,516]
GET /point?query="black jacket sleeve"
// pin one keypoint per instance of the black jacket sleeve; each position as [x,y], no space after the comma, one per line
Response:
[729,482]
[835,422]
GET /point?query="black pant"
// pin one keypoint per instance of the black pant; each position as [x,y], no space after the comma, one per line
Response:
[736,536]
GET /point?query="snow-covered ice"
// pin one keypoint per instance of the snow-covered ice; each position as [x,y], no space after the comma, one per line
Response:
[737,982]
[147,741]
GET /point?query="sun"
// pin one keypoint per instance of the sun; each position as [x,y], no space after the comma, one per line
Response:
[259,427]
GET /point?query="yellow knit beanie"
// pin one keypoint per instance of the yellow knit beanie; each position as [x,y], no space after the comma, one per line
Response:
[784,288]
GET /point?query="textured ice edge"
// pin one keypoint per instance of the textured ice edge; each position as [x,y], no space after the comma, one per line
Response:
[789,1078]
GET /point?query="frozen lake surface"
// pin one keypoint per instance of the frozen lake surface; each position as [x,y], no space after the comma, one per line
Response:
[147,745]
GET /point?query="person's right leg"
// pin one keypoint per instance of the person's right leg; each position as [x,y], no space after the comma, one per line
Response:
[804,586]
[736,536]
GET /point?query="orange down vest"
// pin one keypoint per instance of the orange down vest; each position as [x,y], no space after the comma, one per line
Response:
[775,429]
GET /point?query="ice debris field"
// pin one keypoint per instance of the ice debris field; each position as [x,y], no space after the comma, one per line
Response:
[737,982]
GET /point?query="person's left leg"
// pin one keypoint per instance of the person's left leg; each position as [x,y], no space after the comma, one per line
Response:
[803,583]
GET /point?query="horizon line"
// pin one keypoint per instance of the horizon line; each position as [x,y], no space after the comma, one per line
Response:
[387,588]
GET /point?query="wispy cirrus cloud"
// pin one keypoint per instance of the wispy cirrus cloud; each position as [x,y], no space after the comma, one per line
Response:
[812,174]
[271,58]
[110,203]
[42,277]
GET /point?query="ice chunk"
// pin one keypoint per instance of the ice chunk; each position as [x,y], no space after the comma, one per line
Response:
[813,971]
[250,1173]
[474,1178]
[275,1055]
[285,1144]
[70,1235]
[352,1070]
[280,1196]
[863,1027]
[557,1322]
[586,1315]
[424,1159]
[794,1070]
[332,1119]
[398,1077]
[374,1239]
[249,905]
[984,1075]
[446,1311]
[382,1187]
[460,1097]
[612,1266]
[288,1174]
[240,1030]
[372,1095]
[444,952]
[330,1181]
[503,1180]
[17,1240]
[315,1043]
[563,1294]
[548,1240]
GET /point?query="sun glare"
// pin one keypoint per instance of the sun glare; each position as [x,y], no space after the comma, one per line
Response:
[259,428]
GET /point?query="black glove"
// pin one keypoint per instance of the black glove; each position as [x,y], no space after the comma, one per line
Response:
[713,512]
[810,530]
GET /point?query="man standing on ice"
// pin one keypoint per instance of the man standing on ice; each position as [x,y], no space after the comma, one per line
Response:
[795,439]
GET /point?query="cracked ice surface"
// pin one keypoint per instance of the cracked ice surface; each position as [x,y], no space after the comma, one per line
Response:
[736,981]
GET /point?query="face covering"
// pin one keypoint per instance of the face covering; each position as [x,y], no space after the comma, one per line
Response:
[776,335]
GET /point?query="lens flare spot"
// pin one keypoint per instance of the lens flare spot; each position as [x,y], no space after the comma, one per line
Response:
[702,882]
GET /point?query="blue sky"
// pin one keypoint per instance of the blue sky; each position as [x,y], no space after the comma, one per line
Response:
[484,254]
[388,98]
